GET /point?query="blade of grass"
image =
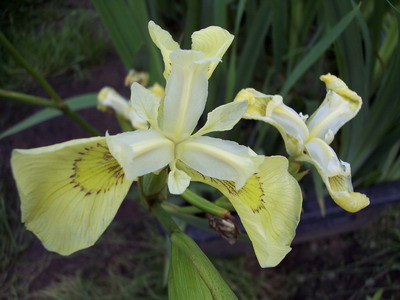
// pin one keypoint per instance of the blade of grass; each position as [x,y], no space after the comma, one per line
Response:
[192,21]
[141,17]
[278,36]
[74,104]
[391,158]
[253,44]
[27,99]
[317,51]
[352,53]
[319,190]
[383,112]
[231,76]
[123,30]
[220,13]
[302,16]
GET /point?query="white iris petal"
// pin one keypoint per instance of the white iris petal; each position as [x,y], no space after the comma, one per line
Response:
[223,117]
[140,152]
[325,157]
[219,159]
[186,94]
[145,103]
[333,113]
[178,181]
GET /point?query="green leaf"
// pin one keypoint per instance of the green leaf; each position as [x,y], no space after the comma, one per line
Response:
[390,161]
[253,45]
[126,23]
[278,34]
[74,103]
[192,275]
[120,23]
[319,191]
[317,51]
[141,17]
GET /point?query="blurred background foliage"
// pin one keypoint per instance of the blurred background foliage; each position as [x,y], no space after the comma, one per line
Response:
[280,47]
[54,38]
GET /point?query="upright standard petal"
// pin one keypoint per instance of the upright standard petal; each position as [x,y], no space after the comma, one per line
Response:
[165,43]
[269,206]
[70,192]
[145,103]
[340,105]
[219,159]
[213,41]
[336,175]
[224,117]
[186,94]
[141,152]
[272,110]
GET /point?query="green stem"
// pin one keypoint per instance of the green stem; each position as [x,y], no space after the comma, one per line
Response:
[180,209]
[224,203]
[28,99]
[21,61]
[204,204]
[165,219]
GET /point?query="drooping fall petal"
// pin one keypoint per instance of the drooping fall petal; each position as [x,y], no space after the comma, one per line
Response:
[269,206]
[70,192]
[336,175]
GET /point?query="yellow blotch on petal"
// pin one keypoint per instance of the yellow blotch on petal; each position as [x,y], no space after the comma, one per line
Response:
[269,206]
[70,192]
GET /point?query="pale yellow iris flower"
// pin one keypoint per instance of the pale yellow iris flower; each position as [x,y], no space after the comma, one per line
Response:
[307,139]
[71,191]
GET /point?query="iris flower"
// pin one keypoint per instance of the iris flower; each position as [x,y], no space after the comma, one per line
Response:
[71,191]
[308,140]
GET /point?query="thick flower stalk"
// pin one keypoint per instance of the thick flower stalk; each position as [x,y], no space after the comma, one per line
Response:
[71,191]
[307,139]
